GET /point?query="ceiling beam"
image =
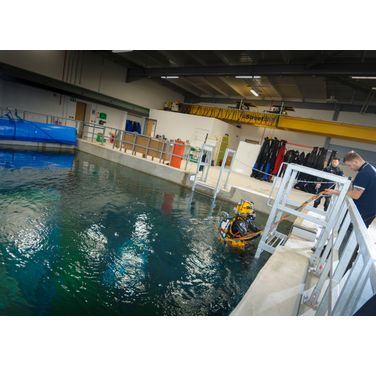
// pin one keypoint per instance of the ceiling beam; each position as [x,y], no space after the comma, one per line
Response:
[208,82]
[324,55]
[177,88]
[195,85]
[172,58]
[286,57]
[273,85]
[193,56]
[349,83]
[234,88]
[213,86]
[188,89]
[222,57]
[267,70]
[115,57]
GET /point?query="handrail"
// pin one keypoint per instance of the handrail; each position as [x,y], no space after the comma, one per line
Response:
[228,153]
[347,275]
[341,272]
[164,150]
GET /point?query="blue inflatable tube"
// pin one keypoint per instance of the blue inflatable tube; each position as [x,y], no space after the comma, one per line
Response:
[23,130]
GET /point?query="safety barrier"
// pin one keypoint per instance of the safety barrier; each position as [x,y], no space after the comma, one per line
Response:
[121,140]
[203,165]
[229,154]
[343,268]
[341,275]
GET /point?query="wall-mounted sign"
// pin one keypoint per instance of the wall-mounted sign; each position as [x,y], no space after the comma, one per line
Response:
[102,115]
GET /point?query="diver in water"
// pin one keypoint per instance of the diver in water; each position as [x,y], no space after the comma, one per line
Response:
[243,222]
[238,231]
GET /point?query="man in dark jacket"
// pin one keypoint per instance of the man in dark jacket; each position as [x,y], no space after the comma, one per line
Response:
[333,167]
[364,186]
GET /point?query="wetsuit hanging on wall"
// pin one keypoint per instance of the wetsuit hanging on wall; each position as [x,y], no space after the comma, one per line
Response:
[279,158]
[271,159]
[332,155]
[321,159]
[260,158]
[315,160]
[129,126]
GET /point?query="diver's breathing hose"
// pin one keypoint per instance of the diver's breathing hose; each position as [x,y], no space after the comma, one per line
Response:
[283,218]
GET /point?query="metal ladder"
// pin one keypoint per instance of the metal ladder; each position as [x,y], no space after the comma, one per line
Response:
[229,153]
[201,175]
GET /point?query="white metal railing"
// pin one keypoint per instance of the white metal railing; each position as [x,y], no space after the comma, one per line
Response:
[40,117]
[341,275]
[284,204]
[203,165]
[230,153]
[344,270]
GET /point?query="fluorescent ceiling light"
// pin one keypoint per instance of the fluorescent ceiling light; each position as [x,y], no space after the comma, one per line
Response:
[254,93]
[247,76]
[121,51]
[363,77]
[170,77]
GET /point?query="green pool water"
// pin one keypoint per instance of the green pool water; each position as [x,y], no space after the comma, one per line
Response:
[96,238]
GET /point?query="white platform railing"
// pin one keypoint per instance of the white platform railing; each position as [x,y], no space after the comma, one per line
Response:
[341,275]
[285,204]
[344,269]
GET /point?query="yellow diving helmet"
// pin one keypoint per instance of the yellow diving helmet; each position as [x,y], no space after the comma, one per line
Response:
[245,208]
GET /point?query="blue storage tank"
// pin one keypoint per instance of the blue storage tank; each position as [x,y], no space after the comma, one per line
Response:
[23,130]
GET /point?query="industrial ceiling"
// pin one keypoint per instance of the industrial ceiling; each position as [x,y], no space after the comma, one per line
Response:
[321,79]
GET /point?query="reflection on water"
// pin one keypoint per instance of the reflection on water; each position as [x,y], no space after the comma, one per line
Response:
[100,239]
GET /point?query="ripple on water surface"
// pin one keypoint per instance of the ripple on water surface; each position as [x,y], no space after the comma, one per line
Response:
[100,239]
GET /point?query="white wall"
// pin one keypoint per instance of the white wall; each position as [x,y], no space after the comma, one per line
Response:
[115,118]
[258,133]
[32,99]
[353,144]
[92,71]
[193,128]
[245,157]
[220,128]
[179,125]
[367,119]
